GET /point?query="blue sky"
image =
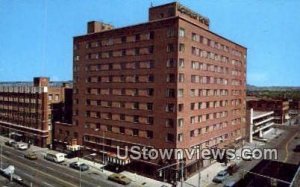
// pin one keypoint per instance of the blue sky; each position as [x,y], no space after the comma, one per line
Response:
[36,35]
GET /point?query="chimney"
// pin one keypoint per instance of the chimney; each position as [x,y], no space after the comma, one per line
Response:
[95,26]
[40,81]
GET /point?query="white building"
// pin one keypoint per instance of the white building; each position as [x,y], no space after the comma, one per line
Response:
[259,122]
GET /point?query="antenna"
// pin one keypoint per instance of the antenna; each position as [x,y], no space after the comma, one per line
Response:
[151,4]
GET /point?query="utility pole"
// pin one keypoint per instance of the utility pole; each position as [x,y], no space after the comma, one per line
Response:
[1,156]
[199,178]
[182,172]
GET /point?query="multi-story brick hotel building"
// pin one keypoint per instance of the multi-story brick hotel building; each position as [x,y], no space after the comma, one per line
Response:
[167,83]
[28,110]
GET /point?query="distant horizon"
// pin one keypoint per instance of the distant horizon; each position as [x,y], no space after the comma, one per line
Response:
[37,36]
[1,82]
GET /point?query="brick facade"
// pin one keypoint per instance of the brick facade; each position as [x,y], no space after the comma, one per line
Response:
[166,83]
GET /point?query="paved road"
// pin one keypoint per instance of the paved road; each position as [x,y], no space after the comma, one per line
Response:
[44,173]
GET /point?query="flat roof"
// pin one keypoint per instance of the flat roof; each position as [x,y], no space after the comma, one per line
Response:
[159,20]
[261,113]
[260,175]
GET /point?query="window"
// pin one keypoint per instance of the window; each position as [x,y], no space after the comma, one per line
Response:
[135,119]
[170,93]
[150,91]
[76,58]
[123,53]
[180,122]
[195,37]
[180,137]
[180,107]
[171,78]
[150,78]
[152,35]
[135,92]
[192,92]
[56,98]
[170,137]
[171,32]
[170,48]
[192,120]
[150,120]
[137,37]
[136,51]
[181,47]
[192,106]
[181,63]
[149,134]
[122,117]
[122,130]
[181,32]
[135,132]
[180,93]
[192,133]
[170,108]
[149,106]
[171,63]
[150,49]
[123,39]
[135,105]
[169,123]
[180,77]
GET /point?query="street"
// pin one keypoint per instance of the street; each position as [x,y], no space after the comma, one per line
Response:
[44,173]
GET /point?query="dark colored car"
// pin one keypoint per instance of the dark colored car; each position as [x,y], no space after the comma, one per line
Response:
[79,166]
[231,169]
[220,177]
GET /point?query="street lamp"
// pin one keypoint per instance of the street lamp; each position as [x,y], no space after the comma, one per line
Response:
[92,154]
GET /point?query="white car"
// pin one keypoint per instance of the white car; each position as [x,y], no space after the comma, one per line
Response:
[22,146]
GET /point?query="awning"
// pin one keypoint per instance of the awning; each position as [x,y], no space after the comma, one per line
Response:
[115,159]
[73,147]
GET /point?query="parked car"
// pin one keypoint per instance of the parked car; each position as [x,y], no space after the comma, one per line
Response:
[79,166]
[55,157]
[10,143]
[229,183]
[119,178]
[31,156]
[232,168]
[221,176]
[22,146]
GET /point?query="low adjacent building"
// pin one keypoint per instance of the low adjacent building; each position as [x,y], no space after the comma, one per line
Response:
[27,110]
[280,108]
[294,106]
[259,123]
